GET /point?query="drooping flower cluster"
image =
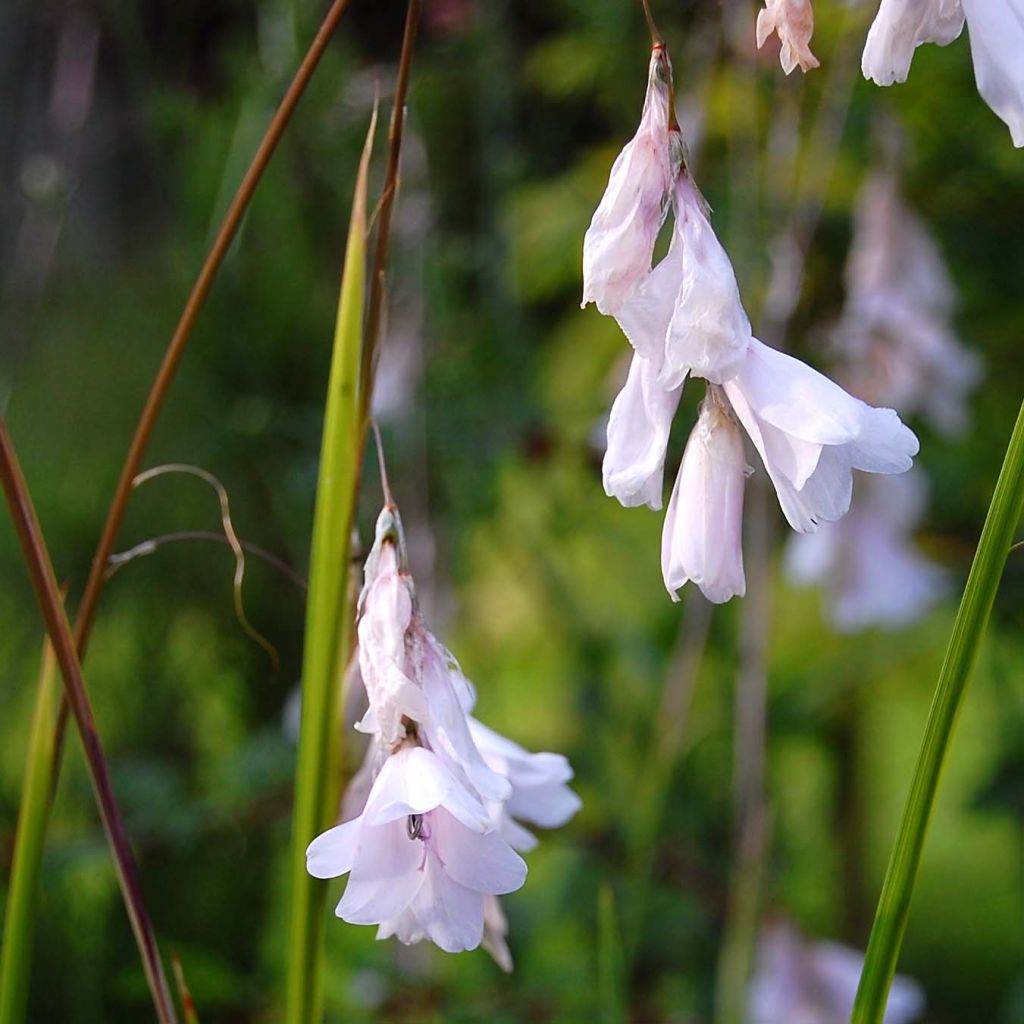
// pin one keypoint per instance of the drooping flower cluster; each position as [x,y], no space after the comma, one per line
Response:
[996,29]
[896,346]
[895,338]
[440,796]
[793,20]
[684,317]
[797,981]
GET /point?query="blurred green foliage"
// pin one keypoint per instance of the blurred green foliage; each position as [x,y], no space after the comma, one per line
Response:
[547,591]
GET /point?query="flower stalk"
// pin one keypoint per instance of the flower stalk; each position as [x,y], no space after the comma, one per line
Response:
[961,655]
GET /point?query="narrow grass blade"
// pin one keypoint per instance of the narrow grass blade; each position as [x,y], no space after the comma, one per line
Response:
[971,621]
[44,583]
[611,961]
[19,919]
[329,619]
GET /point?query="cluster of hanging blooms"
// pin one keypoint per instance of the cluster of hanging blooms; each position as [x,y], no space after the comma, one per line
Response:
[793,20]
[996,30]
[798,981]
[683,318]
[440,798]
[895,346]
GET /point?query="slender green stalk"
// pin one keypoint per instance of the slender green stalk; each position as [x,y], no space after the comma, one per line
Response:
[971,621]
[329,618]
[389,193]
[19,919]
[44,583]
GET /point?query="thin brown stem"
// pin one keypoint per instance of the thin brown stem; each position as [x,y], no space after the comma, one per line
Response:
[182,333]
[44,583]
[656,37]
[375,306]
[385,484]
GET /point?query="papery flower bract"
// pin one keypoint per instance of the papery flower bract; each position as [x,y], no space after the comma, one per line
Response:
[387,610]
[996,30]
[638,429]
[421,857]
[811,435]
[871,571]
[619,243]
[540,794]
[801,982]
[794,22]
[900,26]
[702,534]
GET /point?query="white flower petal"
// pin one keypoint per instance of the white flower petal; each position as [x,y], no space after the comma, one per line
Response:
[824,496]
[794,22]
[539,791]
[447,913]
[518,837]
[900,26]
[709,330]
[996,30]
[412,781]
[619,243]
[702,537]
[638,429]
[482,862]
[547,806]
[332,853]
[386,874]
[797,400]
[447,729]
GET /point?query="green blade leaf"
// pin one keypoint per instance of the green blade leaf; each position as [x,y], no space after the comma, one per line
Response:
[19,920]
[968,630]
[329,619]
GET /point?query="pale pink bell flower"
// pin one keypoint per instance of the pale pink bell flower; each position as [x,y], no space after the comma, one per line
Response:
[895,334]
[703,531]
[797,981]
[424,843]
[421,856]
[811,435]
[794,22]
